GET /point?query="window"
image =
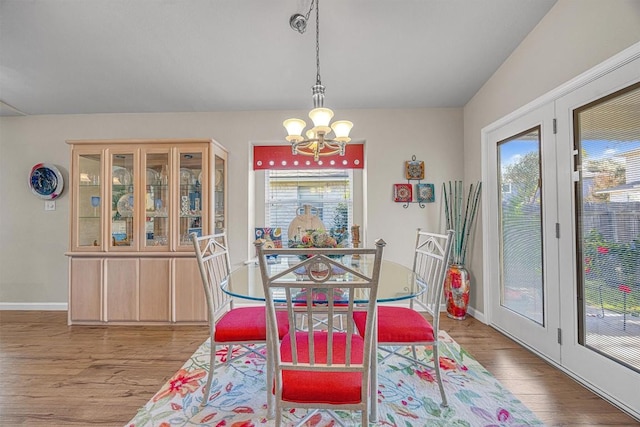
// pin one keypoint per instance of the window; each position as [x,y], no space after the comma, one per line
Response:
[327,191]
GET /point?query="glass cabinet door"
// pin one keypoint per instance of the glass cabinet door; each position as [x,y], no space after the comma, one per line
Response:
[122,200]
[190,198]
[156,184]
[89,203]
[219,188]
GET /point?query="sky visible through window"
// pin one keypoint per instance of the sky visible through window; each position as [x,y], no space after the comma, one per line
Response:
[594,150]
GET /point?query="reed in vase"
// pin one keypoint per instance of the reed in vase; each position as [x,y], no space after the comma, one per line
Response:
[460,212]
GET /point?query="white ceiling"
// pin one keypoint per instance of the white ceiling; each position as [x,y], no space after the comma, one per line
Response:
[126,56]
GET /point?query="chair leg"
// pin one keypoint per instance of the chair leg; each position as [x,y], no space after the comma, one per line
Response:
[395,351]
[303,421]
[212,367]
[365,417]
[436,365]
[338,420]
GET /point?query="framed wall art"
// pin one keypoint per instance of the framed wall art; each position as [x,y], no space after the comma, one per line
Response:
[402,192]
[425,193]
[414,169]
[45,181]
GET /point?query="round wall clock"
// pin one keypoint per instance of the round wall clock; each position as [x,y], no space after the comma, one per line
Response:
[45,181]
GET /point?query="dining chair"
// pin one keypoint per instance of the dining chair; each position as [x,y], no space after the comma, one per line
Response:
[228,326]
[399,327]
[320,367]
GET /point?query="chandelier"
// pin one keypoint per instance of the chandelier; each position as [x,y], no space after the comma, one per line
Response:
[318,141]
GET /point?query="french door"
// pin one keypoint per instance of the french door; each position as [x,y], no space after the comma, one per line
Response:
[524,267]
[599,126]
[562,229]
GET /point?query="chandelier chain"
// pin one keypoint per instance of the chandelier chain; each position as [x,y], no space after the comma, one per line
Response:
[318,80]
[306,17]
[319,141]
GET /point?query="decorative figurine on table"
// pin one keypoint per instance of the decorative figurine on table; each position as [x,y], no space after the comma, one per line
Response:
[271,238]
[306,219]
[355,239]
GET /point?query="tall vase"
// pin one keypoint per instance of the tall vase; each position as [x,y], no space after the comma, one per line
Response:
[456,291]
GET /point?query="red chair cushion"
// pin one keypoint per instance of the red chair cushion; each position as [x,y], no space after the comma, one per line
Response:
[247,324]
[322,387]
[398,325]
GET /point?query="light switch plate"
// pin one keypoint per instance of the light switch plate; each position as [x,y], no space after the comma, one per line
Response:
[49,205]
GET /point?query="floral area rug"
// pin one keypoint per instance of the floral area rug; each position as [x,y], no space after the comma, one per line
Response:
[408,395]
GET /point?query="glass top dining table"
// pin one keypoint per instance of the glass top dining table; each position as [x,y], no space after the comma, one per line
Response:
[396,282]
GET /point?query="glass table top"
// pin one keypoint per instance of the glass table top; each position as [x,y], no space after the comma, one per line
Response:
[396,282]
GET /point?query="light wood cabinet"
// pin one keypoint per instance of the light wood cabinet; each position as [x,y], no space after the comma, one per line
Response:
[121,289]
[133,205]
[190,305]
[155,290]
[85,286]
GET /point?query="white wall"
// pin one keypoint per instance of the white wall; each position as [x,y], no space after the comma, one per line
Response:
[573,37]
[33,268]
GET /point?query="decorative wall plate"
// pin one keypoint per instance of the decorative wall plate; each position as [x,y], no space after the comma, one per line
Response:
[402,192]
[426,193]
[45,181]
[125,205]
[414,169]
[153,177]
[187,177]
[121,176]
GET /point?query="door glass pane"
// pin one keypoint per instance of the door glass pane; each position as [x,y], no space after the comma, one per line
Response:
[607,144]
[157,199]
[123,202]
[190,196]
[89,203]
[520,225]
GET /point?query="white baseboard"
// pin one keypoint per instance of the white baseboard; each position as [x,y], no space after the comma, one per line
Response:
[41,306]
[470,311]
[477,315]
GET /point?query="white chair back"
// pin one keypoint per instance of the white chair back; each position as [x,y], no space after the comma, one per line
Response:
[430,263]
[323,282]
[213,260]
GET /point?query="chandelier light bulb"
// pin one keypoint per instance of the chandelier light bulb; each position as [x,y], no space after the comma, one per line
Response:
[294,128]
[341,128]
[321,118]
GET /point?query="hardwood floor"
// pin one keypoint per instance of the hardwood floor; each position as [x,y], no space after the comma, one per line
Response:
[52,374]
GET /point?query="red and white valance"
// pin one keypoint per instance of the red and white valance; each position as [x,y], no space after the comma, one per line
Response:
[280,157]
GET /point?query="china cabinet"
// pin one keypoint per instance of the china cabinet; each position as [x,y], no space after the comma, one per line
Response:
[133,205]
